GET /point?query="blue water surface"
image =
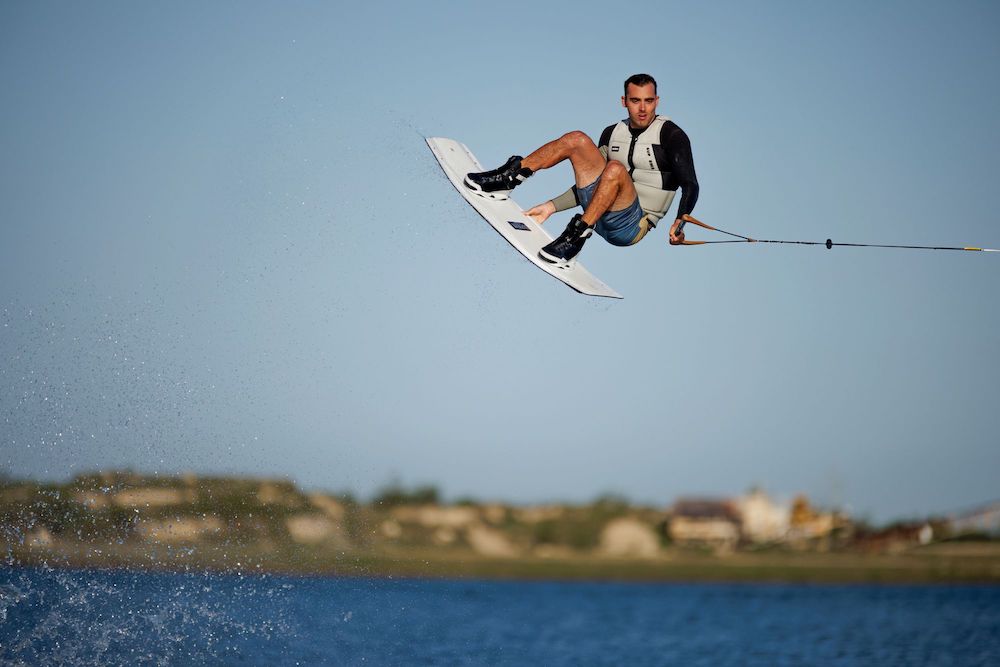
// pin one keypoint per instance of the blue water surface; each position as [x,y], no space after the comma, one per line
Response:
[117,617]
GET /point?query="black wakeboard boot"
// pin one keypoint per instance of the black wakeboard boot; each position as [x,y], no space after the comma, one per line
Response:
[497,183]
[568,245]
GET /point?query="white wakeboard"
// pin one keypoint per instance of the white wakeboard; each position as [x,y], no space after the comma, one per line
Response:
[505,216]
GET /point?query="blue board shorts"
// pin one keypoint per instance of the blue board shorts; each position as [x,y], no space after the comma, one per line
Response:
[621,228]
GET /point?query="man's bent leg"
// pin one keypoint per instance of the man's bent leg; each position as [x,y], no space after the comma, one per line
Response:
[578,148]
[575,146]
[564,249]
[497,183]
[615,191]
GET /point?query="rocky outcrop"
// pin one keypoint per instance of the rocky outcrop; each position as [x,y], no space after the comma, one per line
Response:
[626,537]
[436,516]
[313,529]
[179,529]
[490,542]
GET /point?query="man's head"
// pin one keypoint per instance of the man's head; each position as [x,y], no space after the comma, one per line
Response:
[640,99]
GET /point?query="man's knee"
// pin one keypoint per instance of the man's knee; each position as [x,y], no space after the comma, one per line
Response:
[577,139]
[614,170]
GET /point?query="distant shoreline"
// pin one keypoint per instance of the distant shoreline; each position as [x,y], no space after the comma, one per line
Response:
[126,520]
[982,568]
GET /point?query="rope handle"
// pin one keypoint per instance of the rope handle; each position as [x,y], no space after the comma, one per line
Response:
[695,221]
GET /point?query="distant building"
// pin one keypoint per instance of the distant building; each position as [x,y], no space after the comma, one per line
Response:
[762,519]
[811,528]
[983,520]
[706,522]
[897,538]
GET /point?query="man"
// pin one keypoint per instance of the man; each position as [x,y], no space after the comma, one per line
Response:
[625,184]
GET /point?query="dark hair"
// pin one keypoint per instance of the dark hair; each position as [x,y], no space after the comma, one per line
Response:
[639,80]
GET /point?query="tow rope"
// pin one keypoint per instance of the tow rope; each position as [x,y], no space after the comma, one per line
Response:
[828,243]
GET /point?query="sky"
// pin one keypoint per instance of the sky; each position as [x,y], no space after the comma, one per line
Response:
[225,248]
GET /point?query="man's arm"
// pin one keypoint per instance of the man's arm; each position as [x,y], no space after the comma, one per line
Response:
[678,149]
[570,198]
[682,165]
[565,201]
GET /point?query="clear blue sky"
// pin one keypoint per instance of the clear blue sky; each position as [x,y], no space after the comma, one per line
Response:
[224,247]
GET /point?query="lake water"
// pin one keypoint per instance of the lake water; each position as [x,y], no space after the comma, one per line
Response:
[113,617]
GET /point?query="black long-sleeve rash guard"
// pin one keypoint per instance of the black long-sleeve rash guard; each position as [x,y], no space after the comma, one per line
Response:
[676,151]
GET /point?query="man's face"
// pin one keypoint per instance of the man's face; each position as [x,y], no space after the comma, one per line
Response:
[641,103]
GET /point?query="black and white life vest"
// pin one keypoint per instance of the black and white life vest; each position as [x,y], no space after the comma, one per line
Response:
[647,165]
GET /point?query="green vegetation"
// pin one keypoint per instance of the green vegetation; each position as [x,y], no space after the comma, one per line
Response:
[395,495]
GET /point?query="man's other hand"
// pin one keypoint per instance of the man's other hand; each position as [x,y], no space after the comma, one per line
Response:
[541,212]
[676,235]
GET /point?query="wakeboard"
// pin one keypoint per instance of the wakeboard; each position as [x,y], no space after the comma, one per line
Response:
[507,217]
